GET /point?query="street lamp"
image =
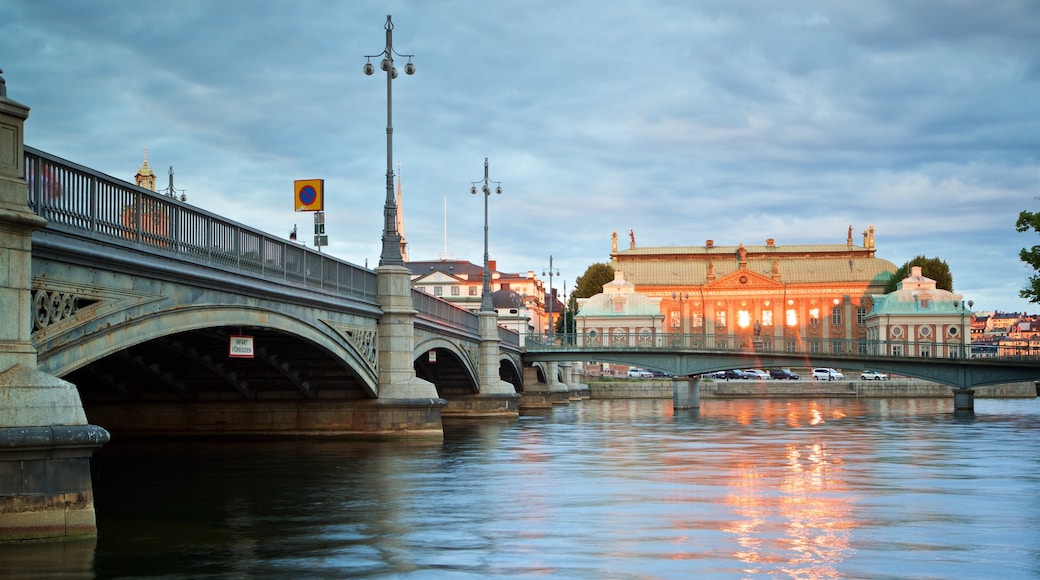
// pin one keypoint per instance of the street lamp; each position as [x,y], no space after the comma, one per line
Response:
[682,314]
[965,336]
[552,329]
[391,254]
[566,311]
[486,304]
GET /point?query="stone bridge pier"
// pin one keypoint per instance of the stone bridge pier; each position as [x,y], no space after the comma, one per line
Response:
[45,440]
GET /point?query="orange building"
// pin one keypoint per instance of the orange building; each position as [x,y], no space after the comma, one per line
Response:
[815,292]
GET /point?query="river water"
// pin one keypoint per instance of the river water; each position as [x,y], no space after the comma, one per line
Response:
[795,488]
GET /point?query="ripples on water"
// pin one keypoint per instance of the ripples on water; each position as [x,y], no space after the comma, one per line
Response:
[598,489]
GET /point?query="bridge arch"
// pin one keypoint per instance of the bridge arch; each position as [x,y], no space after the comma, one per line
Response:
[451,369]
[279,332]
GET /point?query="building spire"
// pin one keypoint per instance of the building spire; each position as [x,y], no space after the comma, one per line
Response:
[400,216]
[145,176]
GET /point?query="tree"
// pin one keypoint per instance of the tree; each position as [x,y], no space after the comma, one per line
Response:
[933,268]
[591,282]
[1030,221]
[567,324]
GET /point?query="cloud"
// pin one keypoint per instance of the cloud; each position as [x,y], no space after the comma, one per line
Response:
[735,121]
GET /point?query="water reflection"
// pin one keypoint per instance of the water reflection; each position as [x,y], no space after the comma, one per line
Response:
[626,489]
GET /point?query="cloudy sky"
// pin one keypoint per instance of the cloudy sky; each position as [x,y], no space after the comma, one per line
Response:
[681,120]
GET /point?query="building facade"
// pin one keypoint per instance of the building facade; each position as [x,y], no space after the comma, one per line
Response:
[918,319]
[773,295]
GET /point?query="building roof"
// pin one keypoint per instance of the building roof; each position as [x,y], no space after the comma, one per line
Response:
[803,268]
[458,268]
[918,294]
[619,289]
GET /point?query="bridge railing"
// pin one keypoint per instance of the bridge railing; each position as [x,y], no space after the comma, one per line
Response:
[755,344]
[439,310]
[83,201]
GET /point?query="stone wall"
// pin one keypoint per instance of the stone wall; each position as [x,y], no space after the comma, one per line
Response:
[712,389]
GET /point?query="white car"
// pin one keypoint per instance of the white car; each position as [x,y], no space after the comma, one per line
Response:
[872,376]
[826,374]
[757,374]
[634,373]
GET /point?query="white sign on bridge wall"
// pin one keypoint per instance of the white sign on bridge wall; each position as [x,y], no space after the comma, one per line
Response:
[240,346]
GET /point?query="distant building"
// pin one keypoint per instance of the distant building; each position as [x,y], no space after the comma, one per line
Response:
[919,319]
[461,282]
[783,293]
[620,316]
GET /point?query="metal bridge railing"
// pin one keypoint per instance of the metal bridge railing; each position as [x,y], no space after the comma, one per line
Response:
[77,199]
[80,200]
[754,344]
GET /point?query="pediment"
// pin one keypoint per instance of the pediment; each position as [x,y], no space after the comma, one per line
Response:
[742,280]
[437,278]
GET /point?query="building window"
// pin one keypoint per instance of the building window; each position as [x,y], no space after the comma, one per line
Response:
[472,290]
[454,290]
[791,346]
[897,350]
[698,320]
[814,346]
[861,347]
[720,319]
[836,316]
[618,307]
[743,318]
[645,338]
[438,291]
[767,318]
[837,346]
[861,315]
[814,317]
[675,320]
[897,331]
[925,331]
[924,303]
[792,317]
[925,350]
[619,337]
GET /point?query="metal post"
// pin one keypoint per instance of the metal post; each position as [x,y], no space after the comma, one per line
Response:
[486,304]
[552,328]
[391,253]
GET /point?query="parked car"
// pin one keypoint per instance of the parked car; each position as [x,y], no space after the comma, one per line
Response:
[634,373]
[872,376]
[734,374]
[826,374]
[716,375]
[661,374]
[757,374]
[781,374]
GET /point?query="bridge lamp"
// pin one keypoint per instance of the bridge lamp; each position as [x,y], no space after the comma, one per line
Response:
[391,253]
[552,329]
[486,304]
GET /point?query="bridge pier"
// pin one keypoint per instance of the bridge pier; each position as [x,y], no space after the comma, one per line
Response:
[497,397]
[686,393]
[964,400]
[45,441]
[575,391]
[398,383]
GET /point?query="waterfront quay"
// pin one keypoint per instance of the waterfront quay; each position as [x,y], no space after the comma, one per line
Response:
[903,388]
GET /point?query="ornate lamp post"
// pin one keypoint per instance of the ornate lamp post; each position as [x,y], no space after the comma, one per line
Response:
[552,329]
[965,334]
[682,314]
[485,295]
[391,254]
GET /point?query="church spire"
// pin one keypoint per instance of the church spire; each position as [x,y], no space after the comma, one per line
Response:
[400,217]
[145,177]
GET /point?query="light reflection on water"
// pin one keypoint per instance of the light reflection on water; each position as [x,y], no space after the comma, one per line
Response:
[598,489]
